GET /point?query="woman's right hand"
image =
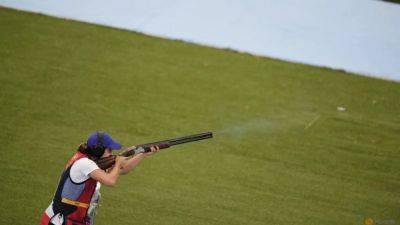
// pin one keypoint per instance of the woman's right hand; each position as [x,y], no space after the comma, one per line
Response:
[119,161]
[111,176]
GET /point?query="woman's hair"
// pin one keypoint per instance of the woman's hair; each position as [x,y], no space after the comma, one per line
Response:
[92,152]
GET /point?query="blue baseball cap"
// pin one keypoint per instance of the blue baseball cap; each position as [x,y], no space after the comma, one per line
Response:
[103,139]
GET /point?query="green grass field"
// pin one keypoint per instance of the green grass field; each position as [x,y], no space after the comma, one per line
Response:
[282,153]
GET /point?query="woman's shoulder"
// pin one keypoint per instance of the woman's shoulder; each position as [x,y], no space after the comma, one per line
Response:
[84,162]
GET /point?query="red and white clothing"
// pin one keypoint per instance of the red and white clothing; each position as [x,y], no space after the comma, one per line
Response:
[77,192]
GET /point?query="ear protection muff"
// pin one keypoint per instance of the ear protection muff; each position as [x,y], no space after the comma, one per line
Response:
[99,149]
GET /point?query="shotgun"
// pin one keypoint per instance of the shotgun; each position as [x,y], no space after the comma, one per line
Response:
[107,162]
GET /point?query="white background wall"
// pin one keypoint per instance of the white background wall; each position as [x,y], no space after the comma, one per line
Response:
[361,36]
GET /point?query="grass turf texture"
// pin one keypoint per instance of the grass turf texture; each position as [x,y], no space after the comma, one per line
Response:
[282,153]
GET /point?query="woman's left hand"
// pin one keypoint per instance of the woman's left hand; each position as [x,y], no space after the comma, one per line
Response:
[153,149]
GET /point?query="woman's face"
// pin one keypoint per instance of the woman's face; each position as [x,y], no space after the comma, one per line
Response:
[107,153]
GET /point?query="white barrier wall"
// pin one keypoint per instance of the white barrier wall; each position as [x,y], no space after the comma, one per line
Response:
[361,36]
